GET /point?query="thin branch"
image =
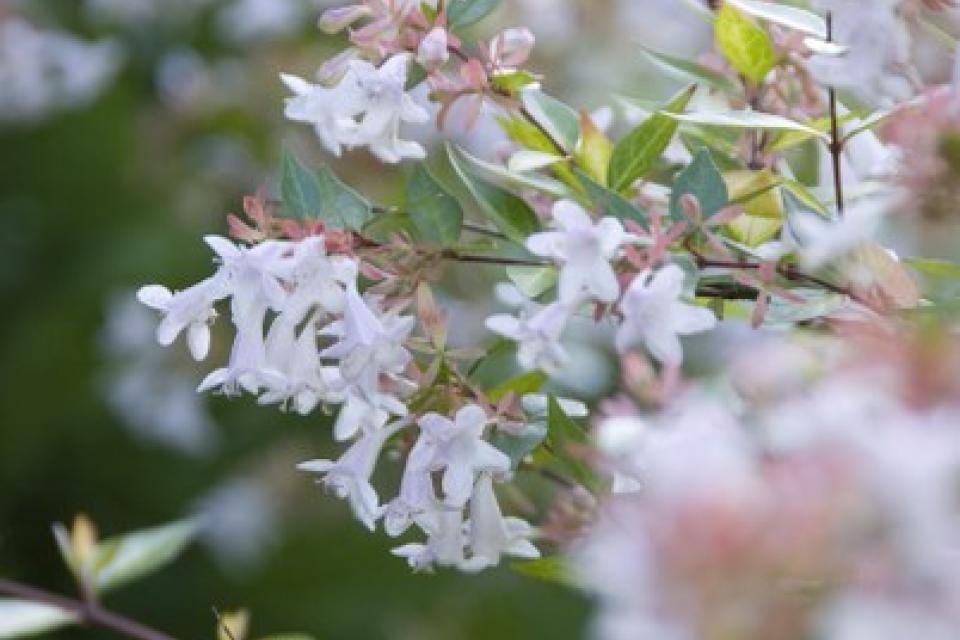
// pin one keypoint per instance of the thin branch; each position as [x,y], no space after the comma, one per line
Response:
[87,613]
[455,256]
[836,143]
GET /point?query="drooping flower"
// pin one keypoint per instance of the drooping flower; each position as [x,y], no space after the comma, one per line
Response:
[584,250]
[654,315]
[460,451]
[190,309]
[490,534]
[349,477]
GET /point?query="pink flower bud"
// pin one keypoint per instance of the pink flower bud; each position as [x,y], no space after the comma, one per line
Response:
[433,49]
[512,47]
[338,19]
[333,70]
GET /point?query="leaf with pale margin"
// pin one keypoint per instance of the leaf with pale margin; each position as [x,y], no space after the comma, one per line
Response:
[529,160]
[635,155]
[744,120]
[558,119]
[745,45]
[691,71]
[509,213]
[21,618]
[503,177]
[436,214]
[126,558]
[790,17]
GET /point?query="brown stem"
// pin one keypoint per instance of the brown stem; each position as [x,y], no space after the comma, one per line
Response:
[88,613]
[836,143]
[455,256]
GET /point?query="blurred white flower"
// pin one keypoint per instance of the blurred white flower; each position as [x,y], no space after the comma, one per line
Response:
[44,72]
[654,315]
[584,250]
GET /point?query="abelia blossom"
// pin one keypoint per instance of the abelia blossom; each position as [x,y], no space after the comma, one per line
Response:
[537,333]
[349,477]
[365,108]
[458,448]
[584,250]
[490,534]
[655,317]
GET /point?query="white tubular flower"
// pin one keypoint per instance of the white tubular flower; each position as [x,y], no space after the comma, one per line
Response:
[384,105]
[459,449]
[445,541]
[584,251]
[417,495]
[432,51]
[250,276]
[655,317]
[368,346]
[330,110]
[537,336]
[349,477]
[190,309]
[512,47]
[490,534]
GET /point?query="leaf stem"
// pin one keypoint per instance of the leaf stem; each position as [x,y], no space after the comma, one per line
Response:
[87,612]
[836,143]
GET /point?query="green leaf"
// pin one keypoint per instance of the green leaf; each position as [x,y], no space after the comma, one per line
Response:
[343,207]
[20,618]
[510,214]
[533,281]
[745,120]
[691,71]
[549,569]
[519,445]
[556,118]
[636,154]
[935,268]
[299,189]
[513,81]
[529,382]
[702,179]
[321,196]
[609,202]
[763,209]
[289,636]
[564,435]
[790,17]
[745,45]
[503,177]
[463,13]
[529,160]
[384,226]
[126,558]
[435,213]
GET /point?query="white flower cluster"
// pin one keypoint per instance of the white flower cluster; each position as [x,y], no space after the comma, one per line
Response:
[829,512]
[44,72]
[365,107]
[305,336]
[653,314]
